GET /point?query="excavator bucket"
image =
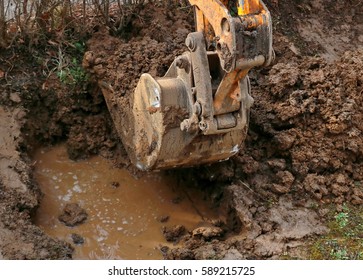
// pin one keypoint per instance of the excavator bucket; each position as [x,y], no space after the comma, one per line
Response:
[160,107]
[198,112]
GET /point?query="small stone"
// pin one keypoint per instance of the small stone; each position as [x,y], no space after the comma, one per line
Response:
[172,234]
[339,189]
[286,178]
[163,219]
[277,164]
[279,188]
[285,140]
[77,239]
[73,215]
[208,232]
[115,185]
[345,39]
[233,254]
[14,96]
[341,180]
[294,49]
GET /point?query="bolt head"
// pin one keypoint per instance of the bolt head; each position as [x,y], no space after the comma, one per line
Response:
[179,62]
[190,43]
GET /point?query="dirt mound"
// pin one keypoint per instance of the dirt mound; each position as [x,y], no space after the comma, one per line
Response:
[306,129]
[77,115]
[119,62]
[316,28]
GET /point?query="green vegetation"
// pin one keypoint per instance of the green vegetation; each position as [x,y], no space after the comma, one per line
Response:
[345,239]
[54,31]
[69,65]
[72,75]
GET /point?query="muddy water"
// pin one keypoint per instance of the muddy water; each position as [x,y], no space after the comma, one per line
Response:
[123,212]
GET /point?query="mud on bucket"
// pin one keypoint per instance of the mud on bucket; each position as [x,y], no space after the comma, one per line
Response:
[159,107]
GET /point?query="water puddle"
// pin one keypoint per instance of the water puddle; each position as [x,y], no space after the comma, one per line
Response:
[123,212]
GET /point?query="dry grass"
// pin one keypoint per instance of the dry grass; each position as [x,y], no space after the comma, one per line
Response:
[32,21]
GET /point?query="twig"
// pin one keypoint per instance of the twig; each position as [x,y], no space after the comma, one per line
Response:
[249,188]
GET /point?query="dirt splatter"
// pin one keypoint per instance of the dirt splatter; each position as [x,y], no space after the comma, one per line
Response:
[305,130]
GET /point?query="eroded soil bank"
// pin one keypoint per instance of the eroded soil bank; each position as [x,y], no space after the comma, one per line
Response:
[303,151]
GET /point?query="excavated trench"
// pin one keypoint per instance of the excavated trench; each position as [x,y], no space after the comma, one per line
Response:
[303,152]
[122,217]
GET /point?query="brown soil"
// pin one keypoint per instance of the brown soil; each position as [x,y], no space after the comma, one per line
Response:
[303,150]
[73,215]
[116,64]
[19,196]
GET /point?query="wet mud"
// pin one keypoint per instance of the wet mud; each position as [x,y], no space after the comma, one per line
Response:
[19,197]
[116,215]
[303,150]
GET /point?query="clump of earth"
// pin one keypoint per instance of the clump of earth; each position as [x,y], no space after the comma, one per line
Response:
[303,150]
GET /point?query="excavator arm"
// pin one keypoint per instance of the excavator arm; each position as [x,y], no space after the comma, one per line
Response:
[241,41]
[198,112]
